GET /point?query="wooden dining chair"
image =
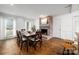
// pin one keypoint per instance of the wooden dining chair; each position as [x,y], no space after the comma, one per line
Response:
[35,39]
[18,37]
[32,41]
[23,41]
[39,37]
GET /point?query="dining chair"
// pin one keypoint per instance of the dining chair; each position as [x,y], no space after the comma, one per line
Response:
[18,37]
[32,41]
[39,37]
[22,41]
[35,39]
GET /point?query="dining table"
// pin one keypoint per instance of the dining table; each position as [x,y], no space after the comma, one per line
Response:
[27,36]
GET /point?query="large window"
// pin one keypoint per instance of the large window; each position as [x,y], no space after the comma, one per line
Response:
[28,25]
[9,27]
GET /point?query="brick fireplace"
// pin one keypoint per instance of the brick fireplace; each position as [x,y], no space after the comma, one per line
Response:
[46,24]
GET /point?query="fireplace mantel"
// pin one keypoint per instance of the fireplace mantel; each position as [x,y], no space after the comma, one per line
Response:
[44,27]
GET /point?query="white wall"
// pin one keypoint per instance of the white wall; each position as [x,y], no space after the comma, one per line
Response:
[57,27]
[67,27]
[19,23]
[36,23]
[2,28]
[64,25]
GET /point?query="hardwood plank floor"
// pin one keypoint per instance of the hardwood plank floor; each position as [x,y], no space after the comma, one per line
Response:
[53,46]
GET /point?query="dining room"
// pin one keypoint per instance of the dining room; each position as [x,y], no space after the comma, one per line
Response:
[30,29]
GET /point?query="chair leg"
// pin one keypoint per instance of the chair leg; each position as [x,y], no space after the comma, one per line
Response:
[17,42]
[35,45]
[27,46]
[21,45]
[40,43]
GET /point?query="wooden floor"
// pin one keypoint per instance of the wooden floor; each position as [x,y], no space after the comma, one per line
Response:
[49,47]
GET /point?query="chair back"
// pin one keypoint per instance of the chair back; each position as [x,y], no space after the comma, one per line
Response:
[20,35]
[39,34]
[17,33]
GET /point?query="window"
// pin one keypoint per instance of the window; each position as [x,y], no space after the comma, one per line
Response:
[28,25]
[9,27]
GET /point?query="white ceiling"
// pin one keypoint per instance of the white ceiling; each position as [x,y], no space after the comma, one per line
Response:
[34,10]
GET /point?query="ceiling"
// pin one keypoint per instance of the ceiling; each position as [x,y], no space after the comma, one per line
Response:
[34,10]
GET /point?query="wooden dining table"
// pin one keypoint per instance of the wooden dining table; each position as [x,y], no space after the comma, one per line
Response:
[27,36]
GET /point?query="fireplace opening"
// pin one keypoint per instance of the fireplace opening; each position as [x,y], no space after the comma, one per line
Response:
[44,31]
